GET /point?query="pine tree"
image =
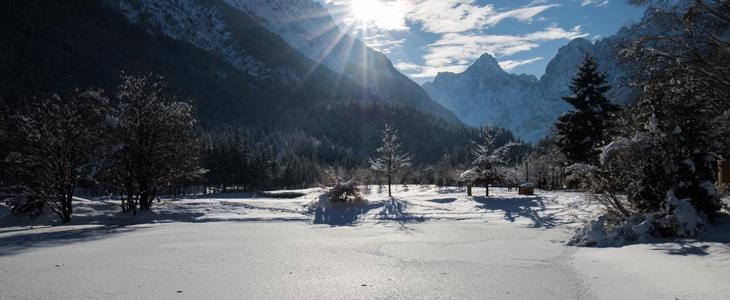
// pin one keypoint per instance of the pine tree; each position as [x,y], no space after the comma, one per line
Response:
[588,127]
[391,160]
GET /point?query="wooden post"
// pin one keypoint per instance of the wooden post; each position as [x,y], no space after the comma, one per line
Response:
[468,189]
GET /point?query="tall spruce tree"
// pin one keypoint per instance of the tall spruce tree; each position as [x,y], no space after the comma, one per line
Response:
[583,130]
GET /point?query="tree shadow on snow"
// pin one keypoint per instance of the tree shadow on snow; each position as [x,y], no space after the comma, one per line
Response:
[339,213]
[715,241]
[442,200]
[683,248]
[394,211]
[42,238]
[528,207]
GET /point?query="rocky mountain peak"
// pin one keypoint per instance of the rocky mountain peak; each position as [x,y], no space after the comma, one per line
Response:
[485,94]
[486,63]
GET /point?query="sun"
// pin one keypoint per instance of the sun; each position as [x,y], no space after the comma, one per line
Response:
[366,10]
[383,14]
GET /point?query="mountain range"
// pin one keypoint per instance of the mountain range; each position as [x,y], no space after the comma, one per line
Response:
[255,62]
[242,75]
[304,24]
[484,94]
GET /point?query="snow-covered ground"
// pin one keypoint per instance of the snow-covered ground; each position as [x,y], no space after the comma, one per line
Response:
[421,243]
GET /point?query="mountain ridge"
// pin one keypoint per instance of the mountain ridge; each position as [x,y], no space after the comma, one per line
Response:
[485,94]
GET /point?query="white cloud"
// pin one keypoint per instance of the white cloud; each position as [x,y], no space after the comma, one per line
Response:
[596,3]
[382,43]
[457,50]
[445,16]
[432,72]
[404,66]
[508,65]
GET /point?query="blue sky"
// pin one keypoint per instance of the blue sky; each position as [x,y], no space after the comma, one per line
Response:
[424,37]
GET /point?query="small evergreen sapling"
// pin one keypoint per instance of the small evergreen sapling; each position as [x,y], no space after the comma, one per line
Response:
[390,161]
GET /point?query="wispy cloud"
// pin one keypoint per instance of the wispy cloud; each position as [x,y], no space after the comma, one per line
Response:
[383,43]
[404,66]
[463,28]
[508,65]
[598,3]
[457,50]
[444,16]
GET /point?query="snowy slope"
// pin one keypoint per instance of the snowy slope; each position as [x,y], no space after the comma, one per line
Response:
[485,93]
[197,24]
[307,26]
[304,24]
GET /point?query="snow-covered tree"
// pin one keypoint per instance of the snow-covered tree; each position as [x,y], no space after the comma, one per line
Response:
[680,120]
[693,36]
[391,160]
[490,164]
[581,131]
[155,141]
[55,142]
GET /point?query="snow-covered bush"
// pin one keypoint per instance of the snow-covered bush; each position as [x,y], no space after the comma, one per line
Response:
[348,192]
[26,206]
[677,218]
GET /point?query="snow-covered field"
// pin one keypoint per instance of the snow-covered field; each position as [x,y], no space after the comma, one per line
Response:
[421,243]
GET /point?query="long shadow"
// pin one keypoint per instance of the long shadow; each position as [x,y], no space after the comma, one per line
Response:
[33,239]
[685,248]
[340,214]
[394,211]
[528,207]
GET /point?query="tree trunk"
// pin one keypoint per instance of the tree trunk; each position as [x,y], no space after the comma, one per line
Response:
[144,196]
[389,194]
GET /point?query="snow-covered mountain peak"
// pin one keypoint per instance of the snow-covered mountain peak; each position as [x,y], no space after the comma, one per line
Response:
[486,63]
[485,94]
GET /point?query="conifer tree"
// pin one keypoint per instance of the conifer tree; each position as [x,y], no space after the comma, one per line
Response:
[583,130]
[391,160]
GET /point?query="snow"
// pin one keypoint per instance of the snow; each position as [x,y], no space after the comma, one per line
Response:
[689,162]
[486,94]
[609,150]
[424,242]
[188,21]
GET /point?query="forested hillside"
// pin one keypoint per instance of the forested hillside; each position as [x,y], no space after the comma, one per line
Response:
[298,113]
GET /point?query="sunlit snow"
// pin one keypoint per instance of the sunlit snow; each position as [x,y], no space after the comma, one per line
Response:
[424,242]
